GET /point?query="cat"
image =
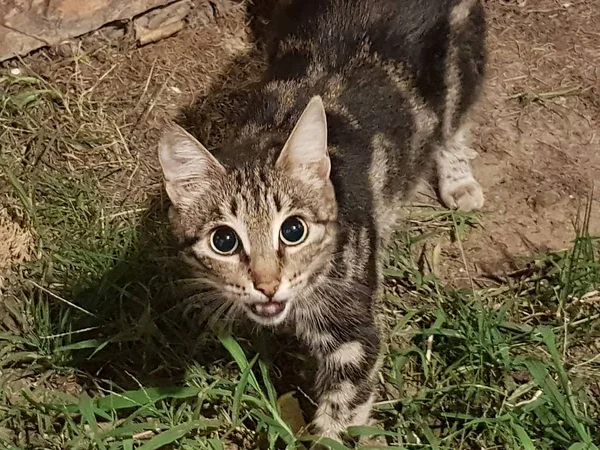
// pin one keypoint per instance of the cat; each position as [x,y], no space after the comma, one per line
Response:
[286,224]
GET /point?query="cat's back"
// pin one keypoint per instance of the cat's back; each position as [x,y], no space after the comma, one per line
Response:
[360,53]
[334,32]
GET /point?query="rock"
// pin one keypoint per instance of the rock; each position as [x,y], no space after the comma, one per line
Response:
[161,22]
[26,25]
[147,35]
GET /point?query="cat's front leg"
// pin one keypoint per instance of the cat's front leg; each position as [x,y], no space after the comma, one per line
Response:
[458,187]
[345,381]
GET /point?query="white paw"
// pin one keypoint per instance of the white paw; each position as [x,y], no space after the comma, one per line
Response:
[464,194]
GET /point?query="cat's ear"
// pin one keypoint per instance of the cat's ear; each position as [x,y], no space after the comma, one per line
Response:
[188,167]
[305,152]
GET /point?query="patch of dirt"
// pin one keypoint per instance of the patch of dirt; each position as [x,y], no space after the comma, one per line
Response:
[537,129]
[16,244]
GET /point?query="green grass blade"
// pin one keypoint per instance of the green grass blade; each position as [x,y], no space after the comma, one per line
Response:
[235,350]
[142,397]
[86,407]
[271,393]
[21,192]
[240,389]
[326,442]
[540,373]
[524,438]
[216,444]
[177,432]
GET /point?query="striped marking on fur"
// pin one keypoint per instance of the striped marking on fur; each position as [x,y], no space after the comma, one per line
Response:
[348,353]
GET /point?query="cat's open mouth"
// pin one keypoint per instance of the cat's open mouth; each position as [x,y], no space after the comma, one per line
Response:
[268,310]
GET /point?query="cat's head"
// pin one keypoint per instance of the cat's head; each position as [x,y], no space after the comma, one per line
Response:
[259,233]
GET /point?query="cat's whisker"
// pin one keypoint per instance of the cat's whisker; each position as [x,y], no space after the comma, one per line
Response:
[200,298]
[219,313]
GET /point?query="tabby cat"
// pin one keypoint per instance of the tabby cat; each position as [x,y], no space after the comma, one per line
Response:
[287,223]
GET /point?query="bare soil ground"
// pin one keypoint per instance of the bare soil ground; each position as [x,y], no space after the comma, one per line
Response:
[537,131]
[538,127]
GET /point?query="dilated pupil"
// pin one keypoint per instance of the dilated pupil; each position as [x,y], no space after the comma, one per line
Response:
[292,230]
[224,240]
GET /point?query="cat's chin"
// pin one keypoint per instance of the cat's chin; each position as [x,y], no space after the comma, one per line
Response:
[268,314]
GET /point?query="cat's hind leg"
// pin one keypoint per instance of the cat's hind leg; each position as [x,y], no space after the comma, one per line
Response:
[457,186]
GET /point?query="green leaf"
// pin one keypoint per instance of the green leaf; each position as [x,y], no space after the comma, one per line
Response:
[271,393]
[583,446]
[326,442]
[177,432]
[523,437]
[21,192]
[238,355]
[433,441]
[216,444]
[235,350]
[142,397]
[540,373]
[24,99]
[87,410]
[90,343]
[278,425]
[25,80]
[239,391]
[364,430]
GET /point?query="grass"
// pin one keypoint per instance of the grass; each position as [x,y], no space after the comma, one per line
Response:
[94,353]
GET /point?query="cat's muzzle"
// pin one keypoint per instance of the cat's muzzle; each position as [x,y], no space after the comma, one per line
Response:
[268,313]
[270,309]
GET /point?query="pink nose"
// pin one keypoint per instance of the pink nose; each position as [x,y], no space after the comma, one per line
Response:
[267,287]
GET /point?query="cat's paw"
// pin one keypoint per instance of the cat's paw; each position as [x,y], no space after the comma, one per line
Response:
[463,194]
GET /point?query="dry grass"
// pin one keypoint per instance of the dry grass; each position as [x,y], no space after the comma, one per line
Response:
[16,243]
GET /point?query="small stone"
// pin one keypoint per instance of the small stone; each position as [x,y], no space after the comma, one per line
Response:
[204,14]
[113,32]
[545,199]
[145,35]
[167,15]
[161,23]
[15,71]
[64,49]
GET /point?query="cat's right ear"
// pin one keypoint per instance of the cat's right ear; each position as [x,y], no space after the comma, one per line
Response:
[188,167]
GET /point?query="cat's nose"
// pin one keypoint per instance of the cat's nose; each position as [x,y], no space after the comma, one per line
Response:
[267,287]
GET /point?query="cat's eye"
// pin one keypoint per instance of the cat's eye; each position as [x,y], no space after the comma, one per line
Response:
[224,241]
[293,231]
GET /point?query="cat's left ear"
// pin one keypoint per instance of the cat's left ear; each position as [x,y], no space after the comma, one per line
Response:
[305,155]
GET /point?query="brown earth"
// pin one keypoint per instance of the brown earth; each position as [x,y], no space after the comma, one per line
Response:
[537,126]
[537,131]
[16,244]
